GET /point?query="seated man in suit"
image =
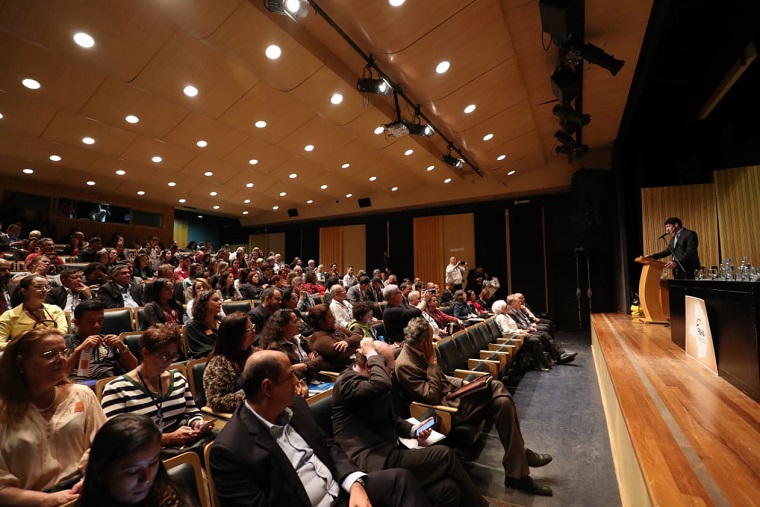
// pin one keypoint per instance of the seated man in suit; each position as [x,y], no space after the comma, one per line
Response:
[120,292]
[72,290]
[421,378]
[556,352]
[272,451]
[398,313]
[365,427]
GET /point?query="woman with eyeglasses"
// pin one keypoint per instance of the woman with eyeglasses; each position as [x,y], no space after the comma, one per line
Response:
[30,310]
[201,330]
[153,390]
[223,376]
[47,424]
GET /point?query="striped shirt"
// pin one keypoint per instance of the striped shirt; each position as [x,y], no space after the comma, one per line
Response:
[126,395]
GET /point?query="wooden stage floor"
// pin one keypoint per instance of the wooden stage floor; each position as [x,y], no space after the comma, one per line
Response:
[680,434]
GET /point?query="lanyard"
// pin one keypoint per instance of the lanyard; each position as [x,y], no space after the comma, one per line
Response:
[153,398]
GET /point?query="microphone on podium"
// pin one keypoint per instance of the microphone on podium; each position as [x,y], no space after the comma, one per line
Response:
[665,234]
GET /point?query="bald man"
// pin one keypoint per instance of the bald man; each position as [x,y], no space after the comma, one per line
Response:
[365,427]
[272,452]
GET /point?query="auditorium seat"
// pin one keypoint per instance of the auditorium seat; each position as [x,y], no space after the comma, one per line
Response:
[195,369]
[236,306]
[117,321]
[185,470]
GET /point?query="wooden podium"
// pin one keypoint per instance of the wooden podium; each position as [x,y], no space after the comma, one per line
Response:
[650,291]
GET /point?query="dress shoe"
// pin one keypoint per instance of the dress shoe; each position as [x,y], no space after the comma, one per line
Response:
[543,369]
[528,485]
[567,357]
[536,460]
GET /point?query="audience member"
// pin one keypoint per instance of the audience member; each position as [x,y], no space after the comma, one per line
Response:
[341,308]
[335,344]
[281,332]
[271,301]
[164,309]
[201,330]
[397,314]
[31,312]
[71,292]
[121,292]
[363,319]
[455,273]
[226,287]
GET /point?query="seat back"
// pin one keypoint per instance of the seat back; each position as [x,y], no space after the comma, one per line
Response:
[117,321]
[493,330]
[132,340]
[477,334]
[322,411]
[195,369]
[317,299]
[465,346]
[185,471]
[210,478]
[236,306]
[399,398]
[140,318]
[452,357]
[101,384]
[379,328]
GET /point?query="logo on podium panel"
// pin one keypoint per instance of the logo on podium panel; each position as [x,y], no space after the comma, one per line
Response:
[699,342]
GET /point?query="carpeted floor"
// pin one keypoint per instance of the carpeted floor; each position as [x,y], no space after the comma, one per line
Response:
[561,414]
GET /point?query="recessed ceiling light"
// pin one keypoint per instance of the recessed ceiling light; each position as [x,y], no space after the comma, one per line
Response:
[1,116]
[275,207]
[91,183]
[88,140]
[55,158]
[430,168]
[346,166]
[157,159]
[442,67]
[348,196]
[408,152]
[200,216]
[132,118]
[201,144]
[309,147]
[396,3]
[183,201]
[379,130]
[323,187]
[372,178]
[336,98]
[212,194]
[216,206]
[273,52]
[253,161]
[84,40]
[27,171]
[510,173]
[260,124]
[121,172]
[208,173]
[190,91]
[245,213]
[172,184]
[31,84]
[309,201]
[488,137]
[283,194]
[447,180]
[469,108]
[141,192]
[293,176]
[394,189]
[249,185]
[247,201]
[501,157]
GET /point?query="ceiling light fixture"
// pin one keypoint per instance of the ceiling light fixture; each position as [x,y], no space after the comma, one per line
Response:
[190,91]
[308,147]
[216,206]
[208,173]
[370,84]
[245,212]
[394,189]
[379,130]
[309,201]
[570,118]
[336,99]
[260,124]
[408,152]
[346,165]
[442,67]
[292,176]
[55,158]
[569,146]
[469,108]
[91,183]
[132,119]
[121,172]
[349,196]
[201,144]
[283,194]
[510,173]
[84,40]
[182,201]
[249,185]
[273,52]
[430,168]
[157,159]
[372,178]
[172,184]
[247,201]
[447,180]
[275,208]
[396,3]
[141,192]
[212,194]
[488,137]
[501,157]
[88,140]
[31,84]
[323,187]
[28,171]
[294,9]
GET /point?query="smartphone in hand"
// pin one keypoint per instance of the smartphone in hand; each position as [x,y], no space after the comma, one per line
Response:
[426,424]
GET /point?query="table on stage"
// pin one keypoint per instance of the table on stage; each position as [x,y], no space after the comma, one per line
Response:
[733,310]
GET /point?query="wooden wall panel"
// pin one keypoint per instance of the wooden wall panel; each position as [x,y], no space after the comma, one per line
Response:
[458,240]
[181,233]
[429,261]
[354,248]
[274,242]
[331,246]
[695,205]
[738,198]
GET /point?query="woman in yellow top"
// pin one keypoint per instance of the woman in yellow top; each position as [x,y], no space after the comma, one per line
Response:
[32,313]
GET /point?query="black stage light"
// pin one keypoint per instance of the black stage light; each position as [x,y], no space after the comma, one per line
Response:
[453,161]
[566,84]
[560,18]
[371,85]
[597,56]
[569,115]
[419,129]
[296,9]
[565,138]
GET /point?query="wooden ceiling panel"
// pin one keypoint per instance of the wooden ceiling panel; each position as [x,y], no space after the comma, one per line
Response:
[266,156]
[221,140]
[307,173]
[184,61]
[114,101]
[327,139]
[71,128]
[173,158]
[453,41]
[281,113]
[24,114]
[248,32]
[39,150]
[505,126]
[201,164]
[200,18]
[127,34]
[44,173]
[63,82]
[357,154]
[319,88]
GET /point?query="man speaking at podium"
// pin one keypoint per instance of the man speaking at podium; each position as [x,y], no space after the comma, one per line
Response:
[682,247]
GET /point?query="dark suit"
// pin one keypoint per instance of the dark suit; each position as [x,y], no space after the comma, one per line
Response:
[395,319]
[58,296]
[685,252]
[249,467]
[365,427]
[110,294]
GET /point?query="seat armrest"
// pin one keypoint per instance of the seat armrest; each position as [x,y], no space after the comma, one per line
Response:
[442,413]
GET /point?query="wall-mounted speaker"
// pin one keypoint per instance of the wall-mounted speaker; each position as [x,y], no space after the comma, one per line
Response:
[560,18]
[365,202]
[293,212]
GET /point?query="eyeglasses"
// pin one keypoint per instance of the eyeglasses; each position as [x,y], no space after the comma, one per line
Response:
[250,329]
[165,358]
[50,355]
[40,287]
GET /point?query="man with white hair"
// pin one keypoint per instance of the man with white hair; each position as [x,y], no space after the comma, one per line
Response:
[455,271]
[398,313]
[340,307]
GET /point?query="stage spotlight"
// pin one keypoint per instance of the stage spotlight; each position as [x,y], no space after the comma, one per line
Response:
[295,9]
[453,161]
[565,138]
[569,115]
[402,128]
[566,84]
[419,129]
[371,85]
[597,56]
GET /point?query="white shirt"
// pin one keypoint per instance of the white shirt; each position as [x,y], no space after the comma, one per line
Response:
[129,302]
[342,312]
[454,274]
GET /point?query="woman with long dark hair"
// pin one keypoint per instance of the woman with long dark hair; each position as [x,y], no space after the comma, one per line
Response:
[201,330]
[125,466]
[30,310]
[164,309]
[281,333]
